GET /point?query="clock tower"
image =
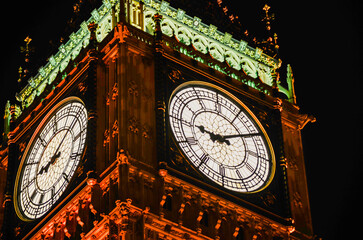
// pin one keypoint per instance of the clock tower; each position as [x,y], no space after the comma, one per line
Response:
[150,123]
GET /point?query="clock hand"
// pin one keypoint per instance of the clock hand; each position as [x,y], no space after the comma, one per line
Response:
[64,136]
[53,159]
[57,153]
[214,137]
[201,128]
[44,168]
[211,135]
[224,138]
[241,135]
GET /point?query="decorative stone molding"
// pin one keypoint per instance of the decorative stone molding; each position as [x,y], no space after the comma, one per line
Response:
[122,219]
[106,137]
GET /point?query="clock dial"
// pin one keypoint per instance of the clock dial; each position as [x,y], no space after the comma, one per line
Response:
[221,137]
[51,159]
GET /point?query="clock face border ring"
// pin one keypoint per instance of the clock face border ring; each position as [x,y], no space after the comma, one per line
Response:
[246,110]
[19,176]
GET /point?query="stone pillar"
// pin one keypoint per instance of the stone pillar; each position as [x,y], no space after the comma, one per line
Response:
[91,104]
[8,224]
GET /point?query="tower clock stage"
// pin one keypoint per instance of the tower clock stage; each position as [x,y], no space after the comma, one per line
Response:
[151,124]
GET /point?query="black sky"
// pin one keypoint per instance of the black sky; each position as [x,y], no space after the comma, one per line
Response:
[320,39]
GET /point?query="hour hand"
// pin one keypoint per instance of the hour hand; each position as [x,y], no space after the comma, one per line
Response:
[201,128]
[45,168]
[53,159]
[214,137]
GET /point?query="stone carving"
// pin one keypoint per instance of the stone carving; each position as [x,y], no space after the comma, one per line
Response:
[114,91]
[134,125]
[115,129]
[133,88]
[175,75]
[106,137]
[146,131]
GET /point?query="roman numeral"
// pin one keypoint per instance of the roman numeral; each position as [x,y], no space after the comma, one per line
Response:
[222,170]
[218,107]
[77,136]
[41,198]
[31,163]
[235,117]
[74,156]
[28,185]
[239,174]
[191,141]
[188,124]
[55,125]
[42,141]
[202,104]
[249,167]
[33,195]
[252,153]
[203,159]
[65,176]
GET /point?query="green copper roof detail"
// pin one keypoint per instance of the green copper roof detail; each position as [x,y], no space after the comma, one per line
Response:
[187,30]
[67,52]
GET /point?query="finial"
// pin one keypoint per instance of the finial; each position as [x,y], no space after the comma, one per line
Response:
[157,19]
[24,71]
[92,53]
[27,40]
[270,44]
[268,17]
[92,27]
[157,32]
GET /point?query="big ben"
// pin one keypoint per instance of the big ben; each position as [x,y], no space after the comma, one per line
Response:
[149,123]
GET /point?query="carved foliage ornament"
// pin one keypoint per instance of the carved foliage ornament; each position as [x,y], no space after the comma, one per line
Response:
[121,32]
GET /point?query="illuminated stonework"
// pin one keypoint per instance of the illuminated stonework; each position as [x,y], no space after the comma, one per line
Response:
[67,52]
[127,221]
[177,24]
[123,188]
[207,39]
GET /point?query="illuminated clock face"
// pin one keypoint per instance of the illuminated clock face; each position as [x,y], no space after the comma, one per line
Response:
[221,137]
[51,159]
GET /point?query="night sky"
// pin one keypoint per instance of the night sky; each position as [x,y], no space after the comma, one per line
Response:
[320,39]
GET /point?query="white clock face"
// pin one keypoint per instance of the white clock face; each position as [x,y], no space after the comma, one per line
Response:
[221,137]
[51,159]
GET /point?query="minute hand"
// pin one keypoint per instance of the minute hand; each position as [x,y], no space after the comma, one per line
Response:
[242,135]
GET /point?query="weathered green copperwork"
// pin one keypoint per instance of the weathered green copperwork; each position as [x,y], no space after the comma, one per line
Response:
[187,30]
[67,52]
